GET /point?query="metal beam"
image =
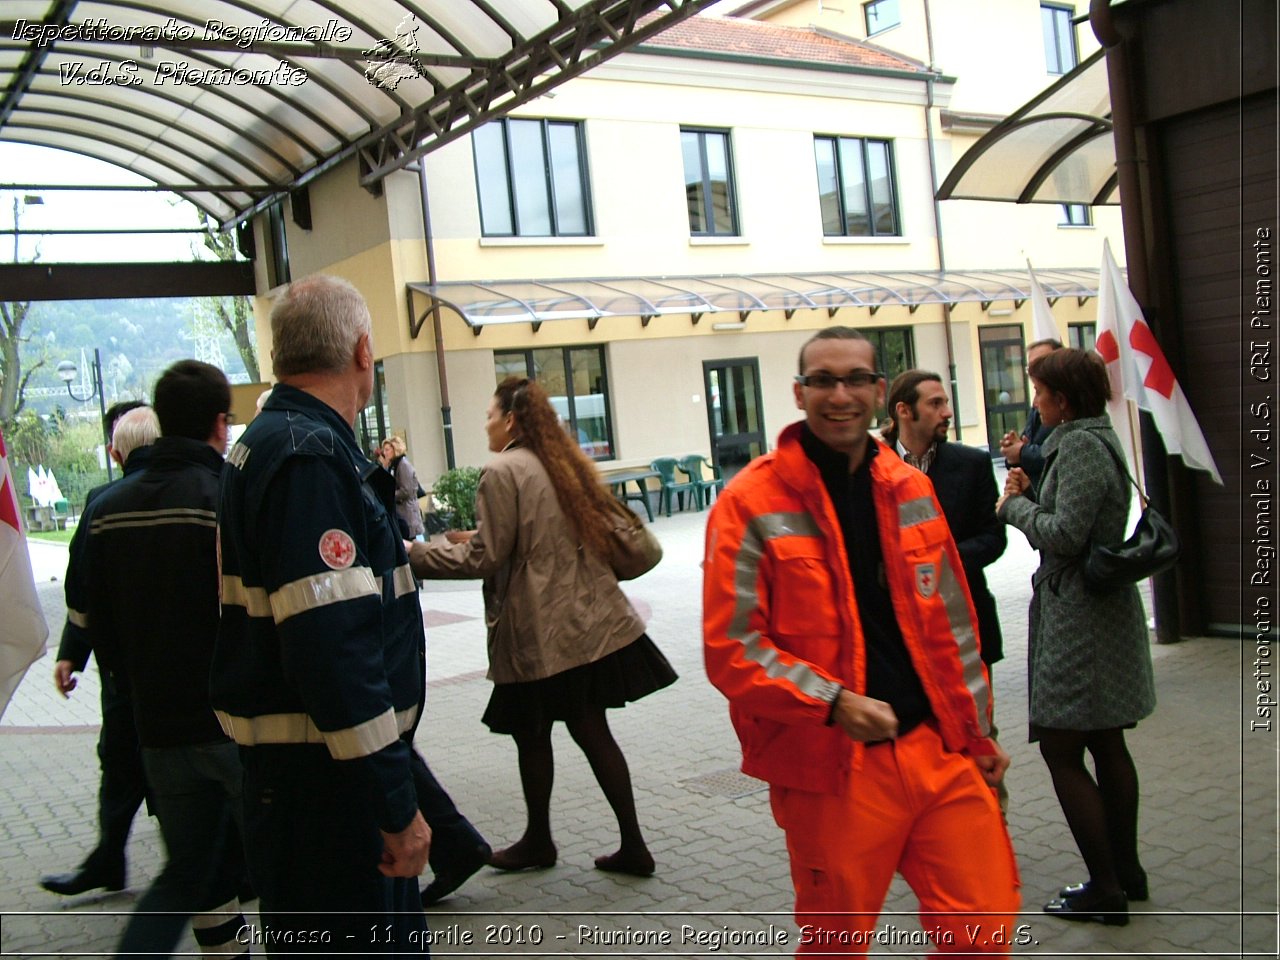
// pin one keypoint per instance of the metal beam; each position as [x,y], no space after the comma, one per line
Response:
[123,281]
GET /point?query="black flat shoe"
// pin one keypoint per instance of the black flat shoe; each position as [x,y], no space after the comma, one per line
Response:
[82,881]
[1113,911]
[1135,890]
[448,880]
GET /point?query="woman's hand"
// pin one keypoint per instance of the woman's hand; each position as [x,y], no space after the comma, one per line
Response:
[1015,485]
[1017,482]
[459,536]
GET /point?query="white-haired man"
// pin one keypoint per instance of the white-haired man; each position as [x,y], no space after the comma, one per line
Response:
[133,428]
[319,672]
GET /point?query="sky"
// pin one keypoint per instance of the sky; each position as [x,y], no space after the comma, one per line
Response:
[67,209]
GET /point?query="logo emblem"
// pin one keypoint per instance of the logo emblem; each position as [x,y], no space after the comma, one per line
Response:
[926,580]
[337,549]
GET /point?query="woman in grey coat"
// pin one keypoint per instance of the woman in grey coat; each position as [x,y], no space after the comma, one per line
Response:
[1089,660]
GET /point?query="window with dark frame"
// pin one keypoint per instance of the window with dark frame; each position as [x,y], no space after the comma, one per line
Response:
[895,353]
[880,15]
[1074,215]
[532,178]
[856,190]
[1059,38]
[708,182]
[277,246]
[372,424]
[1082,336]
[577,384]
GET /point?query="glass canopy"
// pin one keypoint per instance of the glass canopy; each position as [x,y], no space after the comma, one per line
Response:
[1057,148]
[481,303]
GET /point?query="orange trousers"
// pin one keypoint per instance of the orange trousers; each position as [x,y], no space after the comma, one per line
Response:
[917,809]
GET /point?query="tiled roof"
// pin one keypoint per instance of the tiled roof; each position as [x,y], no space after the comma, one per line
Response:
[753,38]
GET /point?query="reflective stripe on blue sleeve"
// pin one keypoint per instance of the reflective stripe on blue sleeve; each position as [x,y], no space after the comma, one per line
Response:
[322,589]
[351,743]
[253,599]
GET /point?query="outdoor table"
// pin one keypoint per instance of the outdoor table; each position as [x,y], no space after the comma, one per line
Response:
[618,484]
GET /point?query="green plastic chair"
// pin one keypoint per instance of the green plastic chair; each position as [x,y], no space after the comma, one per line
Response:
[702,487]
[666,470]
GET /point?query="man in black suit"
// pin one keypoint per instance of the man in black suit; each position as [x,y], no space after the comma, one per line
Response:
[965,483]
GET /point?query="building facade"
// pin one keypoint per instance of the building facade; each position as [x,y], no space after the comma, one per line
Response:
[656,239]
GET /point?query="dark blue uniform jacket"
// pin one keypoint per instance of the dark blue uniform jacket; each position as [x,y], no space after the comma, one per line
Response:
[321,643]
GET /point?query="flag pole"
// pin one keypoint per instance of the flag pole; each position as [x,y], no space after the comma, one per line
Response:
[1135,444]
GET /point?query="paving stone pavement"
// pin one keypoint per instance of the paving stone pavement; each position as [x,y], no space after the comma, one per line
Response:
[1208,820]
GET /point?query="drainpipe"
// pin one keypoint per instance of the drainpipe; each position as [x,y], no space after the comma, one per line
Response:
[937,224]
[446,411]
[1128,179]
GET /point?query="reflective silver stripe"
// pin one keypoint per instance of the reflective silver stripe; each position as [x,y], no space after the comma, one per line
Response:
[238,455]
[253,599]
[363,739]
[349,744]
[322,589]
[770,526]
[217,916]
[81,620]
[402,580]
[154,518]
[953,599]
[916,511]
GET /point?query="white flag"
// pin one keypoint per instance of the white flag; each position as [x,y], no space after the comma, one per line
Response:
[1043,326]
[22,626]
[1139,371]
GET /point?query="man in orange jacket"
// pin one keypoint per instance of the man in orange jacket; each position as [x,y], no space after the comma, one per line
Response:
[838,623]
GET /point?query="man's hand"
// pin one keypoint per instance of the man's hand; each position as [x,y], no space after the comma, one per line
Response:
[404,854]
[993,767]
[863,718]
[62,678]
[1011,447]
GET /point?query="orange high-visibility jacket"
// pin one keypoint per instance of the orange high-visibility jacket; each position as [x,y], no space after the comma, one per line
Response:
[780,619]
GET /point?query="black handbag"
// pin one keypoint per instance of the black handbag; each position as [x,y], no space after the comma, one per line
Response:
[1152,547]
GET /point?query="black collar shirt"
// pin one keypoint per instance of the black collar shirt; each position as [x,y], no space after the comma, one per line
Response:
[891,676]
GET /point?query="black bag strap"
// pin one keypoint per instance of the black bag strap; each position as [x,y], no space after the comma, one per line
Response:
[1124,469]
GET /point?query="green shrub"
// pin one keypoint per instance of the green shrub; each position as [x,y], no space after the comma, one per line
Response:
[456,491]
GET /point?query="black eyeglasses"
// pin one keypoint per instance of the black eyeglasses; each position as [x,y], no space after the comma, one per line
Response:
[828,381]
[231,417]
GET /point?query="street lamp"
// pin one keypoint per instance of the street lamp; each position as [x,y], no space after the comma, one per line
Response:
[30,200]
[67,372]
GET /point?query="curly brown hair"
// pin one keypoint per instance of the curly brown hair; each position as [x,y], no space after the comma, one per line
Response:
[582,496]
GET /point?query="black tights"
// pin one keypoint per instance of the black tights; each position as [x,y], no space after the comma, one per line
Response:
[1102,815]
[590,730]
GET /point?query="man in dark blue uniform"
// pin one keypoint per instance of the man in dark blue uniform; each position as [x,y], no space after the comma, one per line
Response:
[319,672]
[153,614]
[132,427]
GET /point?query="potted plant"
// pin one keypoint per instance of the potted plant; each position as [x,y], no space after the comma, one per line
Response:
[456,492]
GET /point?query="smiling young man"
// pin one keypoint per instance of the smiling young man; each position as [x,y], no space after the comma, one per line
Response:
[837,622]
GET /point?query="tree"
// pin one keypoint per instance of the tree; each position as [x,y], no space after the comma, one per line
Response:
[232,313]
[13,381]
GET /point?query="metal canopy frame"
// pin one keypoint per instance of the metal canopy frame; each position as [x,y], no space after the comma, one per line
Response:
[401,78]
[490,302]
[1057,148]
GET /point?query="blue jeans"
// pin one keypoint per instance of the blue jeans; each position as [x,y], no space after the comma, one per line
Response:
[195,792]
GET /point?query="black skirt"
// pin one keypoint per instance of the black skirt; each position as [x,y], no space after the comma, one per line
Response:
[625,675]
